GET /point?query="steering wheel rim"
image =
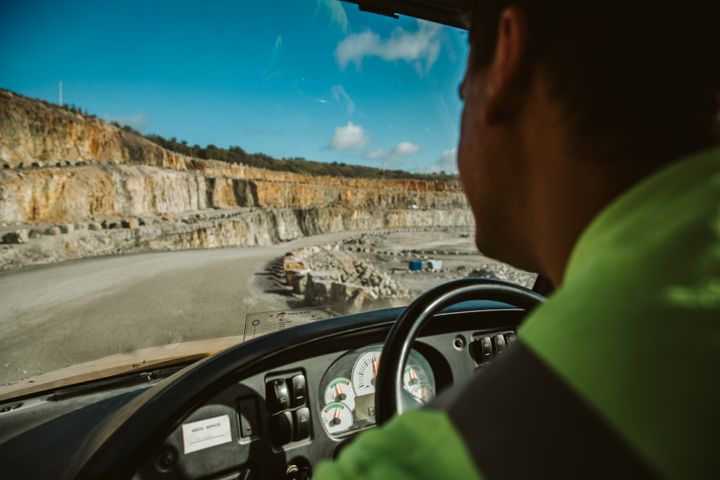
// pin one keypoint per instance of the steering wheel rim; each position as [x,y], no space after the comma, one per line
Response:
[398,343]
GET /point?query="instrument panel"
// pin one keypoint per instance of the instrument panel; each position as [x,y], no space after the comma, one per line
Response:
[347,390]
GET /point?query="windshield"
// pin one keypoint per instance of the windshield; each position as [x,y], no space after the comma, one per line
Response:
[175,173]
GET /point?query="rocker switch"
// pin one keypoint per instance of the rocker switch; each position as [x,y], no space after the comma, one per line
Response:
[281,428]
[486,348]
[297,386]
[500,344]
[277,395]
[302,423]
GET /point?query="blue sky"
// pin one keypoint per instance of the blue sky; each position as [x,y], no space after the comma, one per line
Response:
[311,78]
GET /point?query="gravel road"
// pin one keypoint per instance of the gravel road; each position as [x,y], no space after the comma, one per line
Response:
[60,315]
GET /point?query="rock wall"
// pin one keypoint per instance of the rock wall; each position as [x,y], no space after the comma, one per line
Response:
[111,191]
[99,192]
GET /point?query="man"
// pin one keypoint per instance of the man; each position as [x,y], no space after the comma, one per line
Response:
[589,153]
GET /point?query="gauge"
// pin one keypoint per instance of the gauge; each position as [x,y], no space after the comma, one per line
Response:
[336,417]
[364,372]
[422,392]
[412,376]
[340,390]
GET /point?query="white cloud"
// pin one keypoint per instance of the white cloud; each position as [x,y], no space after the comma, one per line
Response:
[276,48]
[341,96]
[421,47]
[402,149]
[348,137]
[376,154]
[446,163]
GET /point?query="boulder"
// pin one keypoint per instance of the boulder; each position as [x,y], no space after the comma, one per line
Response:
[299,283]
[130,223]
[317,291]
[357,301]
[339,293]
[16,237]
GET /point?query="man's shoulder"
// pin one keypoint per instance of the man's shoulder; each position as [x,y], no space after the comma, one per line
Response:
[635,327]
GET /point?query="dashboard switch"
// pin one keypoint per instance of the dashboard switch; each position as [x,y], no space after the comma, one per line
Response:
[297,387]
[510,337]
[248,417]
[481,349]
[277,395]
[499,342]
[302,423]
[486,348]
[281,428]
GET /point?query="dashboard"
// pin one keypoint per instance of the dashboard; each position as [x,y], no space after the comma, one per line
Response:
[295,408]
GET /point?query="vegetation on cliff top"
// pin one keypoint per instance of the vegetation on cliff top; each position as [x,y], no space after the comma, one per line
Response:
[234,154]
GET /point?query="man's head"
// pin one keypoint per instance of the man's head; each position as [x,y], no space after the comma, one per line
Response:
[569,103]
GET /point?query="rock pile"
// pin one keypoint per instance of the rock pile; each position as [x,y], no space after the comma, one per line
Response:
[372,243]
[501,271]
[328,275]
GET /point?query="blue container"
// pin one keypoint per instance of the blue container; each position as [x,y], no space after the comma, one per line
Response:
[415,265]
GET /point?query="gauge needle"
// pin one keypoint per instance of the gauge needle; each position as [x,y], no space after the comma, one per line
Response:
[339,393]
[374,369]
[336,417]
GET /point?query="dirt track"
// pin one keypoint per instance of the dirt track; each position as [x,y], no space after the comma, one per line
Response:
[60,315]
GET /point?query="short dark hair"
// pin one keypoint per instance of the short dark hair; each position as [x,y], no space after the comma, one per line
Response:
[634,79]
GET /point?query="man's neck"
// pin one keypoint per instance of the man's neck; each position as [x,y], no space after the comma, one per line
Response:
[565,189]
[567,195]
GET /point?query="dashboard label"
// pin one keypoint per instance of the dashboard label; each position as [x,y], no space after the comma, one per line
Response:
[206,433]
[261,323]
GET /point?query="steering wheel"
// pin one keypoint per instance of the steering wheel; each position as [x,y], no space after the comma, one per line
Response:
[389,381]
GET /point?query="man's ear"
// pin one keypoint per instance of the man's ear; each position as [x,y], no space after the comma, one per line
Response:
[507,67]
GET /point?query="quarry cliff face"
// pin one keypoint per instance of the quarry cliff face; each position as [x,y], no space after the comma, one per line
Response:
[73,186]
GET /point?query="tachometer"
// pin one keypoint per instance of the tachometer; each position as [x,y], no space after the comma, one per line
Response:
[336,417]
[364,372]
[340,390]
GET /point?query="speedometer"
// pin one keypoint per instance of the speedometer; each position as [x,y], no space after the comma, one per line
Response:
[364,372]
